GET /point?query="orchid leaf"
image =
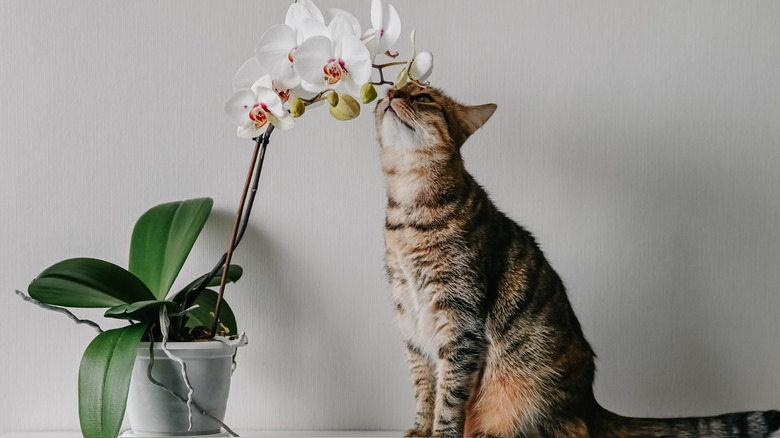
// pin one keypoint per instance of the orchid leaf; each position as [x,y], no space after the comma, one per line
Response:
[104,380]
[204,314]
[234,274]
[140,310]
[87,282]
[162,240]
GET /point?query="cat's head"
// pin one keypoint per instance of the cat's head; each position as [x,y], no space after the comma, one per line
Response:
[418,118]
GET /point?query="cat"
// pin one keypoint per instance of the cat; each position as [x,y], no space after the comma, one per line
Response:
[493,344]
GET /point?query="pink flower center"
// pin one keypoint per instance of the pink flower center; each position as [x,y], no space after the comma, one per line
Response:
[292,51]
[382,33]
[334,70]
[257,115]
[284,95]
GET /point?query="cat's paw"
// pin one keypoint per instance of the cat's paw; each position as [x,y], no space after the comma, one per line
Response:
[417,432]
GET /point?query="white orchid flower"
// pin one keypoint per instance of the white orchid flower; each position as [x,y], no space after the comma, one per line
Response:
[301,10]
[276,48]
[253,69]
[419,67]
[252,109]
[340,58]
[249,72]
[353,22]
[386,30]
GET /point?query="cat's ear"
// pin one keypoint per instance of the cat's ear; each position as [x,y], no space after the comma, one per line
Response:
[474,116]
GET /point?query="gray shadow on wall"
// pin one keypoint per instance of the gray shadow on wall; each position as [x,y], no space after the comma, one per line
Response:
[304,356]
[269,315]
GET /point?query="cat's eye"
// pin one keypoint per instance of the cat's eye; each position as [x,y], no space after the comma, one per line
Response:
[423,98]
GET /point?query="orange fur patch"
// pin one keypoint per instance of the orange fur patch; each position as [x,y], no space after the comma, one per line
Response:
[502,402]
[574,429]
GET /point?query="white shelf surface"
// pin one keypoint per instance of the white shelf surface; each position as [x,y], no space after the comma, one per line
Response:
[242,434]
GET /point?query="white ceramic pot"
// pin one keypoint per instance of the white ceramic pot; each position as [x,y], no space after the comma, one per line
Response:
[152,411]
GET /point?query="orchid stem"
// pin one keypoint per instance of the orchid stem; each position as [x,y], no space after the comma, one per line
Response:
[242,219]
[380,68]
[318,97]
[389,64]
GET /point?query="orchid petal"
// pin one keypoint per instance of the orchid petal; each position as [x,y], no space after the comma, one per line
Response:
[350,85]
[276,41]
[376,14]
[284,123]
[353,22]
[287,83]
[270,99]
[421,66]
[339,29]
[302,9]
[357,60]
[274,48]
[262,82]
[403,77]
[370,39]
[313,10]
[250,131]
[238,106]
[391,28]
[308,28]
[248,73]
[295,14]
[314,87]
[310,59]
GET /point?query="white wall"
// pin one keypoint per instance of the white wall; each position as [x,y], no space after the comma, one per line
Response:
[640,142]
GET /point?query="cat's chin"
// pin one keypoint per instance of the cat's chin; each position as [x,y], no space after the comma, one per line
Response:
[402,135]
[391,116]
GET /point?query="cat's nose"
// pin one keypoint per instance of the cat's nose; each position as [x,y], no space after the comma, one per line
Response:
[394,93]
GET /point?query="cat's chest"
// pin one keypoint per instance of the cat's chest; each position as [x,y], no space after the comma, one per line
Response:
[415,304]
[417,262]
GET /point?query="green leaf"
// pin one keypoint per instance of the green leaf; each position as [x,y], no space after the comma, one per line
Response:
[86,282]
[204,315]
[234,274]
[162,240]
[140,310]
[104,380]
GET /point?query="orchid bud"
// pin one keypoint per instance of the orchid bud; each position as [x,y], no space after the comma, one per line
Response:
[368,92]
[297,107]
[347,108]
[333,98]
[403,76]
[421,67]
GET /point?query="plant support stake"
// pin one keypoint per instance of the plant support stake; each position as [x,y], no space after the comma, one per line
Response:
[258,157]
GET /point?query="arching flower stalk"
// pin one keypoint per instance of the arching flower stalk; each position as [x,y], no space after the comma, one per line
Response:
[310,58]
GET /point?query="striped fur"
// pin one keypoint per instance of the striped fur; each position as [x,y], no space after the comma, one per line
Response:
[492,342]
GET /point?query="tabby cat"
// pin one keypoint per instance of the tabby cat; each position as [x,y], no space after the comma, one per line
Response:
[493,344]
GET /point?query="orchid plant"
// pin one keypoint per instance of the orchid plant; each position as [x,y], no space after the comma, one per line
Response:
[311,58]
[160,244]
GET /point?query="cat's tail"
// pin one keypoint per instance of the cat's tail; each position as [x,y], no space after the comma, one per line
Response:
[756,424]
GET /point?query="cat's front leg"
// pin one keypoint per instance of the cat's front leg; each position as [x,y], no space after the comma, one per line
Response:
[461,358]
[420,366]
[424,382]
